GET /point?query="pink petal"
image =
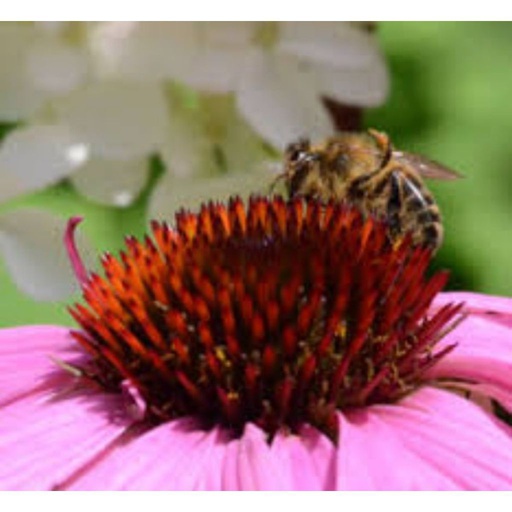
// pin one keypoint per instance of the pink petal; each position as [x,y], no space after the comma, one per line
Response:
[173,456]
[372,456]
[308,457]
[26,357]
[31,245]
[476,301]
[496,309]
[250,465]
[483,355]
[454,437]
[46,437]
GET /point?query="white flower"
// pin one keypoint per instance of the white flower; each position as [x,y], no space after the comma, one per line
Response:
[77,123]
[278,71]
[73,124]
[93,101]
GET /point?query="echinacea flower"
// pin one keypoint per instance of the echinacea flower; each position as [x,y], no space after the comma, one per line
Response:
[271,345]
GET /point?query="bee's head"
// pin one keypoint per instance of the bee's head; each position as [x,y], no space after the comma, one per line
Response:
[297,151]
[299,160]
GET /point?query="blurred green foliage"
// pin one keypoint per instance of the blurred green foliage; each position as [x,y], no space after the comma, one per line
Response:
[451,87]
[450,93]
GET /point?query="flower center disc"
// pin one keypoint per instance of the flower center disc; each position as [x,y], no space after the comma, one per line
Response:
[277,313]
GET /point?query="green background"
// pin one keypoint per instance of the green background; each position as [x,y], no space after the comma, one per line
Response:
[450,100]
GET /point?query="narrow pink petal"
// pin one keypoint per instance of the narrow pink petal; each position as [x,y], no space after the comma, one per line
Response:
[174,456]
[74,256]
[45,438]
[372,457]
[454,436]
[26,357]
[250,465]
[483,355]
[309,457]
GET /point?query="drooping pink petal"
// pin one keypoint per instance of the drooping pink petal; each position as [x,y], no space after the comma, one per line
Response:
[45,438]
[174,456]
[452,435]
[74,256]
[309,458]
[26,357]
[31,244]
[251,465]
[482,356]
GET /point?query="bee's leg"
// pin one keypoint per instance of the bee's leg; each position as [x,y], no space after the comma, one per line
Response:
[394,206]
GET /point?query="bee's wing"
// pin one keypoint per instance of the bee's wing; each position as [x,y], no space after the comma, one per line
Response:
[425,167]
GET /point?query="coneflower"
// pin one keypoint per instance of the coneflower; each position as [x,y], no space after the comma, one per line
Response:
[273,345]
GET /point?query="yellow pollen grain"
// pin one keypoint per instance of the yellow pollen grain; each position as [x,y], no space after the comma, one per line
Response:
[220,352]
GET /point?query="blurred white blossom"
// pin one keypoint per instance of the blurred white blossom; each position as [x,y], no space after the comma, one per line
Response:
[92,102]
[278,71]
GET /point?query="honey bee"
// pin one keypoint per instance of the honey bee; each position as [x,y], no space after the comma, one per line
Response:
[363,169]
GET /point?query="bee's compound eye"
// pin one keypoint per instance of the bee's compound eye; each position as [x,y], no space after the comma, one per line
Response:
[296,150]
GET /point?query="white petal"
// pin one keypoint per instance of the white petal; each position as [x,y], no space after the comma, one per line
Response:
[108,42]
[37,156]
[279,99]
[336,44]
[112,182]
[56,67]
[31,241]
[213,59]
[179,51]
[365,87]
[209,69]
[119,120]
[19,98]
[174,193]
[52,28]
[187,151]
[210,138]
[234,33]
